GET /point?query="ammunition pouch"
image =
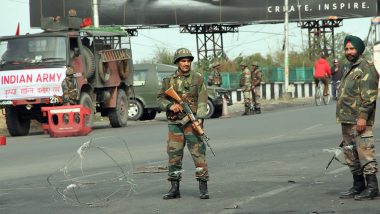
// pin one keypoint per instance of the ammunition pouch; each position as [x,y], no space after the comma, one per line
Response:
[256,82]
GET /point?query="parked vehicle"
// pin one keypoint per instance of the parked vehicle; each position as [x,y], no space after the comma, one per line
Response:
[60,66]
[147,80]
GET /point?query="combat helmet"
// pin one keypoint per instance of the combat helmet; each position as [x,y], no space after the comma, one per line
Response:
[182,53]
[255,63]
[243,64]
[215,64]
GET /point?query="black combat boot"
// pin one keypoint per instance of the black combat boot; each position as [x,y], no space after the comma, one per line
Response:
[173,192]
[251,111]
[257,110]
[357,188]
[203,190]
[371,190]
[246,111]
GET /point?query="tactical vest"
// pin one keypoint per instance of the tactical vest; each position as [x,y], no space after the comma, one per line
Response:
[246,79]
[256,77]
[187,87]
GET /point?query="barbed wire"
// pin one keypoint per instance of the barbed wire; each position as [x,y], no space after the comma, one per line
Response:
[100,172]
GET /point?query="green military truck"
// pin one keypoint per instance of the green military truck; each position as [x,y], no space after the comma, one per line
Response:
[147,80]
[65,65]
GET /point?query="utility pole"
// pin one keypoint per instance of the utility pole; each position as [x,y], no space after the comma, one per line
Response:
[95,10]
[286,50]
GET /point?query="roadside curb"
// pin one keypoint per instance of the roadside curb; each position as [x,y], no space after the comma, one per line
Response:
[272,105]
[236,109]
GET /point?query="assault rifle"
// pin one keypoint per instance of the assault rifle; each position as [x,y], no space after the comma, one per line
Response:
[194,122]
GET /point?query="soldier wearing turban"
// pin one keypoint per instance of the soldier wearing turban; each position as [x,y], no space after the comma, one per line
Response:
[355,111]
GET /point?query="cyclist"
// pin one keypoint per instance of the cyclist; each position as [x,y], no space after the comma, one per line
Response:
[322,72]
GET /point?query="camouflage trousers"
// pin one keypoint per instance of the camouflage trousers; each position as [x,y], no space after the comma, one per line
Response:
[247,95]
[359,150]
[70,91]
[256,97]
[178,136]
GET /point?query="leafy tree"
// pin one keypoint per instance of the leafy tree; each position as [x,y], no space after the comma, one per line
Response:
[339,46]
[163,56]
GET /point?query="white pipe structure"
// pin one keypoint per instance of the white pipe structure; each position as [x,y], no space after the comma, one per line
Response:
[95,10]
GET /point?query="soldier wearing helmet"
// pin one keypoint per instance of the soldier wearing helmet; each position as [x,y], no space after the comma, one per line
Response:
[246,87]
[256,81]
[190,86]
[215,78]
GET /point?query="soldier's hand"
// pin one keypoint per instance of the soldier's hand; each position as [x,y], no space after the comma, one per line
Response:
[361,125]
[175,108]
[200,121]
[198,125]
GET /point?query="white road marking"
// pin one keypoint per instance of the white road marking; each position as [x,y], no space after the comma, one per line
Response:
[274,137]
[313,127]
[263,195]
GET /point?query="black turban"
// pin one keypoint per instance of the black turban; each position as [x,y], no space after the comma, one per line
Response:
[356,42]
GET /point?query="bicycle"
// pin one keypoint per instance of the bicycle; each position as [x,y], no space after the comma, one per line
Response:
[319,94]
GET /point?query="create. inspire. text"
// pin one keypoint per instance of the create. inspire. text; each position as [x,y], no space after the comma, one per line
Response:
[320,7]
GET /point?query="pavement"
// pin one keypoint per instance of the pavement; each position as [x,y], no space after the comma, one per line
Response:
[234,110]
[272,105]
[267,106]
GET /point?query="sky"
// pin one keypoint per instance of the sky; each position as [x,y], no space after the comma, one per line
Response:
[251,39]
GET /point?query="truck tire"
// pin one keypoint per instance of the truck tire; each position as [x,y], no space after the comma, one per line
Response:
[86,101]
[218,110]
[118,116]
[149,115]
[90,62]
[135,111]
[104,74]
[123,67]
[17,126]
[210,109]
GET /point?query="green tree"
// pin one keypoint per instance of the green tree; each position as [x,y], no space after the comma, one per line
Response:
[163,55]
[339,46]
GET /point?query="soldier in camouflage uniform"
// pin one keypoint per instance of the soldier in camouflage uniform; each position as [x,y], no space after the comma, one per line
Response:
[256,81]
[190,86]
[69,88]
[215,78]
[246,86]
[356,106]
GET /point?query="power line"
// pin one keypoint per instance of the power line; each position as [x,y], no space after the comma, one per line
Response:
[19,1]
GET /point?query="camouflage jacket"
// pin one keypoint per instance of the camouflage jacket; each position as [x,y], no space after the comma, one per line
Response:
[215,79]
[256,77]
[192,90]
[246,80]
[357,93]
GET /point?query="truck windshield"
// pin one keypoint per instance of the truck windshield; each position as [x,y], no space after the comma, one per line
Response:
[29,50]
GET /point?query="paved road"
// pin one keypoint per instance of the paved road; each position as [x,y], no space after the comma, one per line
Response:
[268,163]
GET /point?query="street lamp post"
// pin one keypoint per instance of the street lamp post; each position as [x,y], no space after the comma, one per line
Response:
[286,50]
[95,11]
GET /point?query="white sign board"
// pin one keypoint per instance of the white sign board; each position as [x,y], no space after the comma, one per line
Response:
[31,83]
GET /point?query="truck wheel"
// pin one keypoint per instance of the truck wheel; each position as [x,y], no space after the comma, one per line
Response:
[104,73]
[86,101]
[149,115]
[210,109]
[135,110]
[90,62]
[217,112]
[123,68]
[17,126]
[118,116]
